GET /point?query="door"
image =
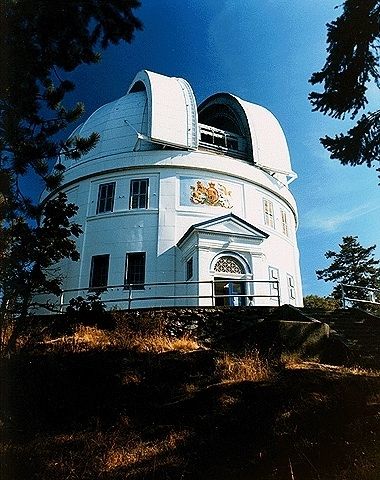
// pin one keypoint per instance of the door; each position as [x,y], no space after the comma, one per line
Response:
[226,291]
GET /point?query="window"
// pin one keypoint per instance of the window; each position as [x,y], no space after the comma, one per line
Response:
[135,270]
[99,272]
[273,286]
[138,197]
[291,288]
[284,220]
[189,268]
[228,265]
[106,195]
[268,213]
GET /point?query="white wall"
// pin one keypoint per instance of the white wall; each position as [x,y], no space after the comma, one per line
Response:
[158,229]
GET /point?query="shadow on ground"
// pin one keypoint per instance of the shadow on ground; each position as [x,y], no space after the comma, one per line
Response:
[117,415]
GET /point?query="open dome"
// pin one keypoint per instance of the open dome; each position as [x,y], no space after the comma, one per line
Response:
[160,112]
[259,137]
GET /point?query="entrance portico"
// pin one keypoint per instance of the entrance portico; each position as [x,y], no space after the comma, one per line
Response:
[225,250]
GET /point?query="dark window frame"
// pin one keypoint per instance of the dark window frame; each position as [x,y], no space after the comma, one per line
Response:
[189,269]
[106,197]
[135,270]
[99,273]
[139,193]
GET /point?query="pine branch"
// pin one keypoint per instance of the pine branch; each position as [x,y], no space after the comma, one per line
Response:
[352,61]
[361,144]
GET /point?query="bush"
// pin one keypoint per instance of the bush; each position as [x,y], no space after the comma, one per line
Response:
[89,311]
[324,303]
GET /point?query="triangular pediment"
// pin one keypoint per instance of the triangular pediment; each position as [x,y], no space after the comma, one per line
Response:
[228,225]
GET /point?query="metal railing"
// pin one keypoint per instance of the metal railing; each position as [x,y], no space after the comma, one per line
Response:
[373,295]
[132,293]
[212,138]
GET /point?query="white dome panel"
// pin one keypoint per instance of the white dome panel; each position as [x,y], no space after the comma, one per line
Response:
[172,111]
[269,146]
[160,111]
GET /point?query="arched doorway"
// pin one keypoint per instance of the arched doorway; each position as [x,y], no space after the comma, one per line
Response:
[229,287]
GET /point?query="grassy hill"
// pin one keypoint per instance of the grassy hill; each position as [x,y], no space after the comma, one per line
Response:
[136,402]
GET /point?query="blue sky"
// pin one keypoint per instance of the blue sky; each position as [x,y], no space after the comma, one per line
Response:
[264,51]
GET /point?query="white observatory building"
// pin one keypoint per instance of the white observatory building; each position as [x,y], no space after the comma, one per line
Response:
[183,205]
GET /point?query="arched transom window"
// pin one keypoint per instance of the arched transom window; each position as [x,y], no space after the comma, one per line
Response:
[229,265]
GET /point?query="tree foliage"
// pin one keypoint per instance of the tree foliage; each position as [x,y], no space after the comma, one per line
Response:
[40,41]
[323,303]
[30,253]
[352,63]
[352,265]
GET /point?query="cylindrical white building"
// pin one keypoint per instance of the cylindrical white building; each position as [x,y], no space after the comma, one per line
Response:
[187,203]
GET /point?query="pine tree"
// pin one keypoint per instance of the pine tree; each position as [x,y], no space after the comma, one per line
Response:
[352,265]
[40,42]
[352,63]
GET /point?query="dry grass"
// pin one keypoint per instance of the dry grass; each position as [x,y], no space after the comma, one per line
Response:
[237,368]
[91,338]
[128,411]
[136,452]
[294,361]
[355,370]
[205,415]
[87,339]
[113,454]
[291,359]
[83,339]
[185,344]
[156,343]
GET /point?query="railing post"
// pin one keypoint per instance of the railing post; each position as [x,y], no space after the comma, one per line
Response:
[129,296]
[278,293]
[61,300]
[212,293]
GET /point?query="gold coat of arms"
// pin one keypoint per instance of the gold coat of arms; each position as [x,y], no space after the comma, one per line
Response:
[212,193]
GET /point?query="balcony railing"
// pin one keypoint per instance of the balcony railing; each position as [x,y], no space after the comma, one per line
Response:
[352,294]
[222,141]
[180,294]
